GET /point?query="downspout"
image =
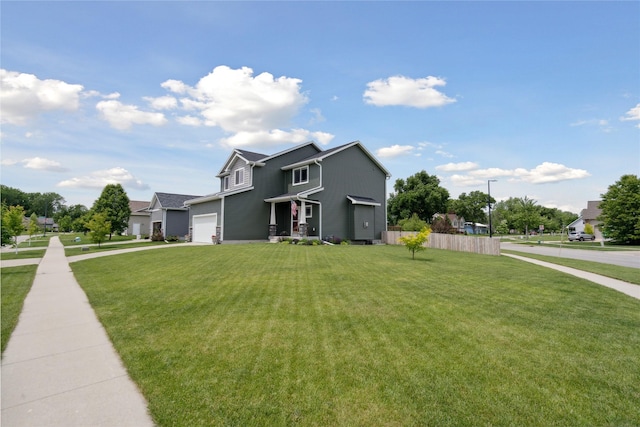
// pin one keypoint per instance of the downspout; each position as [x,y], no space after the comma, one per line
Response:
[221,237]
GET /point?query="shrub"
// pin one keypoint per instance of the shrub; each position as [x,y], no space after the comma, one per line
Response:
[416,242]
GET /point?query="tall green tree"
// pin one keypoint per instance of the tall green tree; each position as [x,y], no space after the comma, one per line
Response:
[12,221]
[420,194]
[471,206]
[528,215]
[621,210]
[113,203]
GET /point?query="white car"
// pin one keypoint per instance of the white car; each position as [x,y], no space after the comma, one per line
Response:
[581,236]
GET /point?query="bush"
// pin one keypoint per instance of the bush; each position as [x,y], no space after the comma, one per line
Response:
[157,236]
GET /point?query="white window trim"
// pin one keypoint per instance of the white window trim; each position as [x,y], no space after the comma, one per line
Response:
[308,211]
[293,175]
[235,176]
[225,182]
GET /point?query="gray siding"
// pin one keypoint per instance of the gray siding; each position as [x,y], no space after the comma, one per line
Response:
[246,215]
[177,223]
[350,172]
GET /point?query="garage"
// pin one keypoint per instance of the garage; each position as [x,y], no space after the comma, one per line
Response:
[203,227]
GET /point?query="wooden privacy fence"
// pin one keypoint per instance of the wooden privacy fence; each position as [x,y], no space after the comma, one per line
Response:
[452,242]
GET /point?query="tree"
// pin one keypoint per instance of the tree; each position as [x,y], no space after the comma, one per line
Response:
[420,194]
[442,225]
[527,216]
[412,224]
[98,227]
[416,242]
[5,234]
[113,203]
[471,207]
[621,210]
[12,221]
[33,228]
[588,228]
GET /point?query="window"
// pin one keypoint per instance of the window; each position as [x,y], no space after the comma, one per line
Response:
[301,175]
[308,210]
[225,183]
[239,176]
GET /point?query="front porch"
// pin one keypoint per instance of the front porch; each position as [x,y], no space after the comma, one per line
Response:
[295,217]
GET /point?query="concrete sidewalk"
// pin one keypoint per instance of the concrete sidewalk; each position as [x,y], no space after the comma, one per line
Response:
[620,286]
[59,368]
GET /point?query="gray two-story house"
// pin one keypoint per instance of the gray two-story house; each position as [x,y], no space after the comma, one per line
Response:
[168,215]
[300,192]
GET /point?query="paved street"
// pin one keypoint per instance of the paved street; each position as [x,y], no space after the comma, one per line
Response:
[622,258]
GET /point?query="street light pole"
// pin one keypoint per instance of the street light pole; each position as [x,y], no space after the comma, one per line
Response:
[489,181]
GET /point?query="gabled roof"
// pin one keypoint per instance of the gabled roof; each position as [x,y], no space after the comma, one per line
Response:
[171,201]
[593,211]
[247,156]
[330,152]
[138,205]
[258,159]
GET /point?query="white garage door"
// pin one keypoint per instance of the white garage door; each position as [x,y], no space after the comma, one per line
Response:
[204,226]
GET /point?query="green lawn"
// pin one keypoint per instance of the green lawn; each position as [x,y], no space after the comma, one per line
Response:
[265,334]
[77,250]
[35,253]
[15,284]
[626,274]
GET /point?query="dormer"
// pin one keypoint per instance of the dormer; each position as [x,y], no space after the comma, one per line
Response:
[237,172]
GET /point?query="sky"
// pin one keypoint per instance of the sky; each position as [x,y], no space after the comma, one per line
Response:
[542,97]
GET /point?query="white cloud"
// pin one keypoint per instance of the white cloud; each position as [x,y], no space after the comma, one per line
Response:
[189,121]
[544,173]
[395,151]
[457,167]
[268,138]
[162,102]
[236,101]
[400,90]
[122,117]
[466,181]
[24,96]
[8,162]
[43,164]
[100,179]
[632,114]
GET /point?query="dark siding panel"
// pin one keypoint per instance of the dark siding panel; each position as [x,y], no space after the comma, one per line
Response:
[351,172]
[177,224]
[246,214]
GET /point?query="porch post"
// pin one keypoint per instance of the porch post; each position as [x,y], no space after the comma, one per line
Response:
[302,224]
[272,221]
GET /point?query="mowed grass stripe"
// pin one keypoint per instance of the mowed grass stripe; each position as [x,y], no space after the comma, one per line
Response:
[347,335]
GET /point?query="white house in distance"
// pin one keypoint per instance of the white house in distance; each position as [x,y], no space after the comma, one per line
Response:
[588,216]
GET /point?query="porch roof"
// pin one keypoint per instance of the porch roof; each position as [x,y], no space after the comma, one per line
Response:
[359,200]
[286,197]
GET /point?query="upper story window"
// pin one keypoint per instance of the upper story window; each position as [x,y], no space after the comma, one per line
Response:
[301,175]
[225,183]
[239,177]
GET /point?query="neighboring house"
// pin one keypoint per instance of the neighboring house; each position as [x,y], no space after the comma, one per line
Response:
[168,214]
[300,192]
[588,216]
[48,222]
[139,220]
[475,228]
[457,222]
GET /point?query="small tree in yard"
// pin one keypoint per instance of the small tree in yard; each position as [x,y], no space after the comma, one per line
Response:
[12,222]
[416,242]
[98,227]
[34,228]
[588,228]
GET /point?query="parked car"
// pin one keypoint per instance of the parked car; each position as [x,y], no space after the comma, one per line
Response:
[581,236]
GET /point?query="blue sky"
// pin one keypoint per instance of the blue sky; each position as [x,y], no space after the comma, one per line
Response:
[544,97]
